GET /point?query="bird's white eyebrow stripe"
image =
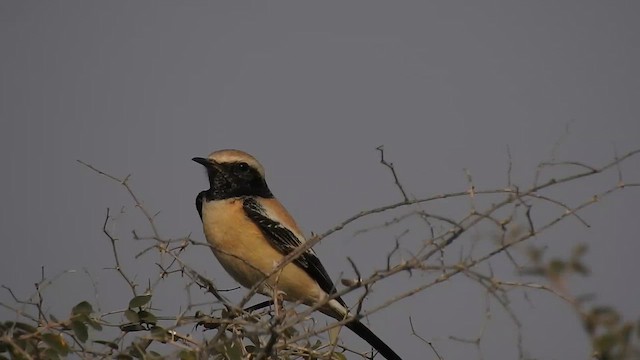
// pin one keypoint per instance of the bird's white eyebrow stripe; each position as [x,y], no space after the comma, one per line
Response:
[231,156]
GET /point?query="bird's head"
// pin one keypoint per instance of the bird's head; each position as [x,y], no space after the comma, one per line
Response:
[234,173]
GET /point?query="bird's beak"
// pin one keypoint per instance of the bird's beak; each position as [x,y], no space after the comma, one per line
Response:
[204,162]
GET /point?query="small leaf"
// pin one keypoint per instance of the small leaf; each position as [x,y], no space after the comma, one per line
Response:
[136,351]
[579,268]
[94,324]
[29,345]
[233,352]
[208,322]
[253,337]
[83,308]
[131,327]
[333,335]
[579,250]
[80,330]
[606,315]
[110,344]
[139,301]
[159,333]
[187,355]
[603,344]
[124,357]
[56,342]
[339,356]
[589,323]
[290,332]
[147,317]
[131,316]
[152,355]
[49,354]
[535,254]
[625,332]
[22,326]
[556,267]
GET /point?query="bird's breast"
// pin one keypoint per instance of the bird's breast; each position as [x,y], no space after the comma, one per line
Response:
[247,255]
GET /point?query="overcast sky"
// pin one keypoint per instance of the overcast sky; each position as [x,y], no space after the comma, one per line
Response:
[311,89]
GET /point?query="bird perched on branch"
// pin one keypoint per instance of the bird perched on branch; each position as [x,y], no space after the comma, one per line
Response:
[250,232]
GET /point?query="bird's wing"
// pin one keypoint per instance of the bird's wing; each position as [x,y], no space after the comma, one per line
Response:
[285,240]
[199,200]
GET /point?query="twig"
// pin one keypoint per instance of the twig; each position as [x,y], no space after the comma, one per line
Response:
[393,172]
[414,333]
[114,249]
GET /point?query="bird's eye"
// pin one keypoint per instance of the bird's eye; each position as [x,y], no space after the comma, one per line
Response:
[242,167]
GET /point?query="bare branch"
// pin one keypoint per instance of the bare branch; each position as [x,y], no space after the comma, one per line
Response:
[393,172]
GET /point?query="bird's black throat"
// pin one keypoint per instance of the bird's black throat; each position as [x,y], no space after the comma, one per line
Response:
[227,182]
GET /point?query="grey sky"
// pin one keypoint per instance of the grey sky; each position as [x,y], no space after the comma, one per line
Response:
[311,90]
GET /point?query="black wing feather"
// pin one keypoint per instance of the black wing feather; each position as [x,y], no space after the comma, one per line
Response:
[286,241]
[199,200]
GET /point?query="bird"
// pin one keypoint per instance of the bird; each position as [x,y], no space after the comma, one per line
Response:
[250,232]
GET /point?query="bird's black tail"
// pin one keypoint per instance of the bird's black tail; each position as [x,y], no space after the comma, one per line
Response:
[367,335]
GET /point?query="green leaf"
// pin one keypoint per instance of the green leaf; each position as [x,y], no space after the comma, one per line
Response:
[136,351]
[152,355]
[50,354]
[22,326]
[80,330]
[94,324]
[147,317]
[139,301]
[557,267]
[234,352]
[131,316]
[56,342]
[625,333]
[124,357]
[159,333]
[290,332]
[83,308]
[132,327]
[606,315]
[253,337]
[30,345]
[579,250]
[603,344]
[208,322]
[590,324]
[579,268]
[333,335]
[339,356]
[535,254]
[110,344]
[187,355]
